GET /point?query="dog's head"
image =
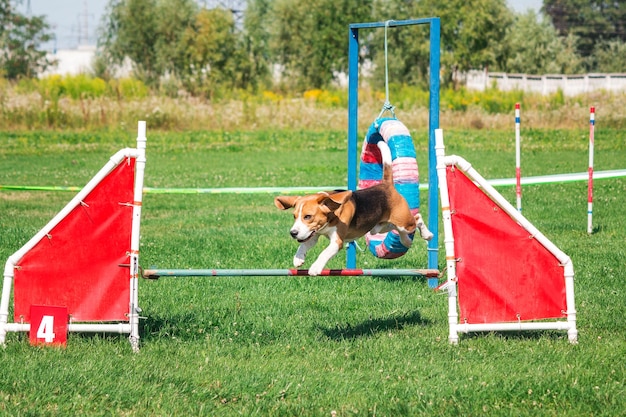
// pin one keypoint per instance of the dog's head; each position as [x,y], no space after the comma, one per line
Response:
[312,213]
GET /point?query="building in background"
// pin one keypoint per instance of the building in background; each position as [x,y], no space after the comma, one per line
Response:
[71,61]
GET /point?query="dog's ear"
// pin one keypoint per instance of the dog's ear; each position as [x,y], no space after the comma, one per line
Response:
[285,202]
[334,201]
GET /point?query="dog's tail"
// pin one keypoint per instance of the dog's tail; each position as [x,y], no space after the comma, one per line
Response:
[387,161]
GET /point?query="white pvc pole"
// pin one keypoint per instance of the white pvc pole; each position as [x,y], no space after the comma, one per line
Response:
[450,285]
[120,328]
[518,171]
[134,244]
[592,123]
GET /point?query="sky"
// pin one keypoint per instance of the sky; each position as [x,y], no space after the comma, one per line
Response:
[74,22]
[523,5]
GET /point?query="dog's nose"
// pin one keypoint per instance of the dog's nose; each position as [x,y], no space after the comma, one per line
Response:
[293,233]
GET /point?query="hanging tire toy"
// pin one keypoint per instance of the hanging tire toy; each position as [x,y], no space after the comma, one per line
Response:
[405,177]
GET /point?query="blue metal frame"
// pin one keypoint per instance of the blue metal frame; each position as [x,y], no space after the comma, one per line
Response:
[433,123]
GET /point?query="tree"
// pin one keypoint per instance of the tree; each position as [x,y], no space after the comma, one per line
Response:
[609,56]
[123,37]
[148,32]
[533,46]
[592,22]
[470,33]
[177,41]
[255,41]
[310,39]
[20,40]
[408,47]
[211,53]
[177,17]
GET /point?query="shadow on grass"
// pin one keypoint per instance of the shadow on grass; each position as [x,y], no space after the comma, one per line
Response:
[182,326]
[187,327]
[400,278]
[518,335]
[373,326]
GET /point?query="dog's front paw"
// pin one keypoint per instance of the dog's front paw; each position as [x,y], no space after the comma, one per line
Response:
[316,269]
[298,261]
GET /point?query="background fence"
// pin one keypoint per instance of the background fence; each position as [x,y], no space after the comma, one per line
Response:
[571,85]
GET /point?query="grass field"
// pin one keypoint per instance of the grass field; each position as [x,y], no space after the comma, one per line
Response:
[313,346]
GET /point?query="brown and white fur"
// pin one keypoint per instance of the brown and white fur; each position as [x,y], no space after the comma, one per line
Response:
[344,216]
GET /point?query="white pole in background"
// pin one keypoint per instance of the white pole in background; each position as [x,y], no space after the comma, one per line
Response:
[592,123]
[518,171]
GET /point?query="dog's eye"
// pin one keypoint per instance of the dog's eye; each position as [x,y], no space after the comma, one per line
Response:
[307,217]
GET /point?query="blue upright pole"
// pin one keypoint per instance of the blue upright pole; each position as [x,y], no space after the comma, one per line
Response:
[353,105]
[433,124]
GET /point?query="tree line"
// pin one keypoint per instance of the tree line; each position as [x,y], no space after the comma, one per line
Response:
[293,45]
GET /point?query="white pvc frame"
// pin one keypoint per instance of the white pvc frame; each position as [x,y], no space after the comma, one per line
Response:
[450,285]
[132,327]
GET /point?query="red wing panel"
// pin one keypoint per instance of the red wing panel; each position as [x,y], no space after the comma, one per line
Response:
[503,274]
[94,237]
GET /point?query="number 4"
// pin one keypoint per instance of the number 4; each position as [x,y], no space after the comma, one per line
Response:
[48,325]
[46,329]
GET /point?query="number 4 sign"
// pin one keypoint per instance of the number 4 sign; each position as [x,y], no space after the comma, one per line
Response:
[48,325]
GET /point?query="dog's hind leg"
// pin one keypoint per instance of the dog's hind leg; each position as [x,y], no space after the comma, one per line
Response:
[421,226]
[404,236]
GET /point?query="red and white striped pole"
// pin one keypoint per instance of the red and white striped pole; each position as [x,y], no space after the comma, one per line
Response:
[592,124]
[518,171]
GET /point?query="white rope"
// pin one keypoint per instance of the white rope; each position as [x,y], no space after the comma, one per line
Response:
[387,105]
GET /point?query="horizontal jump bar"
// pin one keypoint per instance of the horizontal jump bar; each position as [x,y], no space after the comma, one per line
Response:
[501,182]
[392,23]
[156,273]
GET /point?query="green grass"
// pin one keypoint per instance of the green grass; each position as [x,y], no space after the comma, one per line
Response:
[307,346]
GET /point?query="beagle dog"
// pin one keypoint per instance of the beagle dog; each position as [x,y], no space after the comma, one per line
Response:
[344,216]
